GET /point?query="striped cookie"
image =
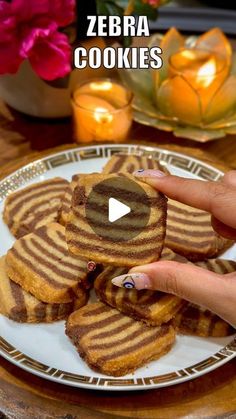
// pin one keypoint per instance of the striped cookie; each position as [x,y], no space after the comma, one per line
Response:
[34,206]
[114,344]
[219,266]
[151,307]
[113,163]
[66,200]
[22,307]
[194,320]
[189,231]
[122,162]
[41,264]
[109,248]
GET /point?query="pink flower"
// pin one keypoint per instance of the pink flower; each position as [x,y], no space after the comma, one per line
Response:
[153,3]
[29,29]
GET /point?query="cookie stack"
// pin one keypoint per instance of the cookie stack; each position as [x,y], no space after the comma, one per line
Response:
[39,280]
[139,326]
[22,306]
[44,276]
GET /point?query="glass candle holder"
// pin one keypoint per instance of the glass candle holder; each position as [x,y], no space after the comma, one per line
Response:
[203,70]
[102,111]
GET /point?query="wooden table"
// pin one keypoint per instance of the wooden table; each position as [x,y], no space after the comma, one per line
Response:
[23,395]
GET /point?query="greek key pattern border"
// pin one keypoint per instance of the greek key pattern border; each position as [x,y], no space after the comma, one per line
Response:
[37,168]
[65,377]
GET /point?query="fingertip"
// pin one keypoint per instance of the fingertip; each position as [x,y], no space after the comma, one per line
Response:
[230,178]
[149,174]
[223,229]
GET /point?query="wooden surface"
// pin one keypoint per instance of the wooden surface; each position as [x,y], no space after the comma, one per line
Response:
[23,395]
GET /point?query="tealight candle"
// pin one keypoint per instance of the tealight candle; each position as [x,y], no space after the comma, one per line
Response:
[102,111]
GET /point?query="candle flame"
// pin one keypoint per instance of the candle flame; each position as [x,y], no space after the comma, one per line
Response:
[206,73]
[190,55]
[102,115]
[101,85]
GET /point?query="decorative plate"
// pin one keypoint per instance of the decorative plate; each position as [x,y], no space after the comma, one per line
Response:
[44,349]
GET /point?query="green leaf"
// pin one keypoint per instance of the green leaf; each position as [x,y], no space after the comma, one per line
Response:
[126,41]
[141,8]
[109,8]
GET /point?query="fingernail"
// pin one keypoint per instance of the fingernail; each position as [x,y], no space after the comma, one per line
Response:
[149,173]
[139,281]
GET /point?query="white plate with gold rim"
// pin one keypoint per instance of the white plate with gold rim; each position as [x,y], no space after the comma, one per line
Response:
[44,349]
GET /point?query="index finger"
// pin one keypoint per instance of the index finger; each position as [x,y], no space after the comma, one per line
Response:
[217,198]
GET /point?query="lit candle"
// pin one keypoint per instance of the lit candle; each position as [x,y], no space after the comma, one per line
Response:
[204,71]
[102,111]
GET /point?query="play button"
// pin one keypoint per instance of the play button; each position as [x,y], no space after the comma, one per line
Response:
[117,210]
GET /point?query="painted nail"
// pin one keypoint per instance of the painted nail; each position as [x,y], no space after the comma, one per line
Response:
[139,281]
[149,173]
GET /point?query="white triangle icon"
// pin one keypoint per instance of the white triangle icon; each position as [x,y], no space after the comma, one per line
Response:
[116,210]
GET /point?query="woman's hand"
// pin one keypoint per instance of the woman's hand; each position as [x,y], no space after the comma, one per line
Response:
[213,291]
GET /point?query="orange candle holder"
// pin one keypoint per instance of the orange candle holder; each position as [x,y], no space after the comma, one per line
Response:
[102,111]
[193,94]
[204,71]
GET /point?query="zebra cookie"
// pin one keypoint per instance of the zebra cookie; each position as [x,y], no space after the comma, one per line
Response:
[67,199]
[194,320]
[113,343]
[23,307]
[151,307]
[219,266]
[129,163]
[41,264]
[34,206]
[188,231]
[109,247]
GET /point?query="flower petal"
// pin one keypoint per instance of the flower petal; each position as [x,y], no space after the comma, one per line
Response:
[223,102]
[9,58]
[215,41]
[7,23]
[51,57]
[9,45]
[42,28]
[177,99]
[61,11]
[171,42]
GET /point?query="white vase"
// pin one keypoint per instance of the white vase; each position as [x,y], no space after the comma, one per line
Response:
[27,93]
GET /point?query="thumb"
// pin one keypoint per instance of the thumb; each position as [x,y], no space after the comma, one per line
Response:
[189,282]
